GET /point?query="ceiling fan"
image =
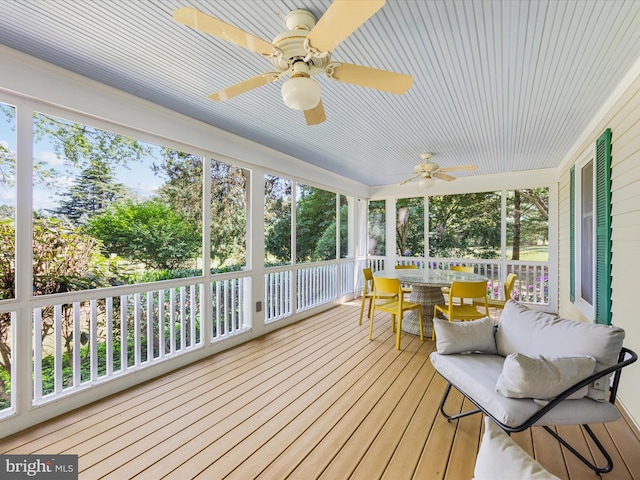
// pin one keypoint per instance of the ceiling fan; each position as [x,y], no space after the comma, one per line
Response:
[301,52]
[428,171]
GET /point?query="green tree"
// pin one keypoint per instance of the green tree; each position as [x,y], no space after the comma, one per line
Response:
[149,232]
[277,199]
[326,246]
[465,226]
[80,145]
[315,213]
[410,226]
[377,227]
[528,218]
[97,153]
[92,192]
[183,191]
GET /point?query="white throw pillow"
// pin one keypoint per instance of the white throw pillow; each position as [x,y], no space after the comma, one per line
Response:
[543,377]
[500,458]
[463,337]
[524,330]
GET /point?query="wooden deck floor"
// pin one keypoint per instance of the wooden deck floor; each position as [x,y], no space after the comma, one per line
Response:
[313,400]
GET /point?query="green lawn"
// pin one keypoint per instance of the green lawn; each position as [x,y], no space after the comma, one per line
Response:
[536,253]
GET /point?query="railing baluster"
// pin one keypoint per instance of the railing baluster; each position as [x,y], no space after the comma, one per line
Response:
[93,338]
[136,329]
[221,325]
[109,340]
[76,354]
[149,326]
[227,318]
[234,304]
[183,318]
[161,324]
[172,319]
[57,362]
[37,360]
[192,316]
[200,307]
[124,351]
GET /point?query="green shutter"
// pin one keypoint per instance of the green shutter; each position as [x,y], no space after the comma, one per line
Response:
[572,234]
[603,228]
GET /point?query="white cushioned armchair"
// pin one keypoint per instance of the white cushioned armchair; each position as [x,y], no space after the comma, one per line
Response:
[536,369]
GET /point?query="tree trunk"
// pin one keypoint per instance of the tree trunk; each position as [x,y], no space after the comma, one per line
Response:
[515,254]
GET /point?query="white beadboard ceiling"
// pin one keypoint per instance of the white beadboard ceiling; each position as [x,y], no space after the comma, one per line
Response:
[506,85]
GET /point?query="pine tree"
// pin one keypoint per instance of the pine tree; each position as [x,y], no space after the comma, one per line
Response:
[92,192]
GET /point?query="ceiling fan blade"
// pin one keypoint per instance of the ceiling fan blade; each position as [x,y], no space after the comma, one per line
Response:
[412,178]
[443,176]
[341,19]
[316,115]
[238,88]
[391,82]
[462,167]
[201,21]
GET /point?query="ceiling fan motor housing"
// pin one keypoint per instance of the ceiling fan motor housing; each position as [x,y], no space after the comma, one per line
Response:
[291,43]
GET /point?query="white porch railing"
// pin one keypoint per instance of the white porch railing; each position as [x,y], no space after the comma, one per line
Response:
[278,294]
[79,343]
[84,338]
[531,285]
[315,284]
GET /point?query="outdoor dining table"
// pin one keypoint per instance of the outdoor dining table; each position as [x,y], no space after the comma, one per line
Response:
[426,289]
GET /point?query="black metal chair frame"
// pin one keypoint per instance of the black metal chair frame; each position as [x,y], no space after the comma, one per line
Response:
[626,357]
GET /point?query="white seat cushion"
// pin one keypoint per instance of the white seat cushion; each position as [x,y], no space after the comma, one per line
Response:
[476,376]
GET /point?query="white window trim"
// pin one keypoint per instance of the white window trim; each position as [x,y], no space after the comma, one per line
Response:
[587,309]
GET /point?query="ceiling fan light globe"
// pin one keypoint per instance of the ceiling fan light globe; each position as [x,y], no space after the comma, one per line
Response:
[301,93]
[426,182]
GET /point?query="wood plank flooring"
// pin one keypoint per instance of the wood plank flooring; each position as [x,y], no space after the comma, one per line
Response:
[313,400]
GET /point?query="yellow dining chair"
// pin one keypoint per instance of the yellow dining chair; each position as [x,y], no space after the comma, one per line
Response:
[396,306]
[457,268]
[406,290]
[461,268]
[367,291]
[497,303]
[464,311]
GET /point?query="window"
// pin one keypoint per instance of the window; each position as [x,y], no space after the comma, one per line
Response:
[590,232]
[465,225]
[584,236]
[7,205]
[110,209]
[277,221]
[7,250]
[345,244]
[528,224]
[228,217]
[315,224]
[410,227]
[377,226]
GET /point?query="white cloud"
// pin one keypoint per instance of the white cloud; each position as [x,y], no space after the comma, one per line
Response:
[64,182]
[49,158]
